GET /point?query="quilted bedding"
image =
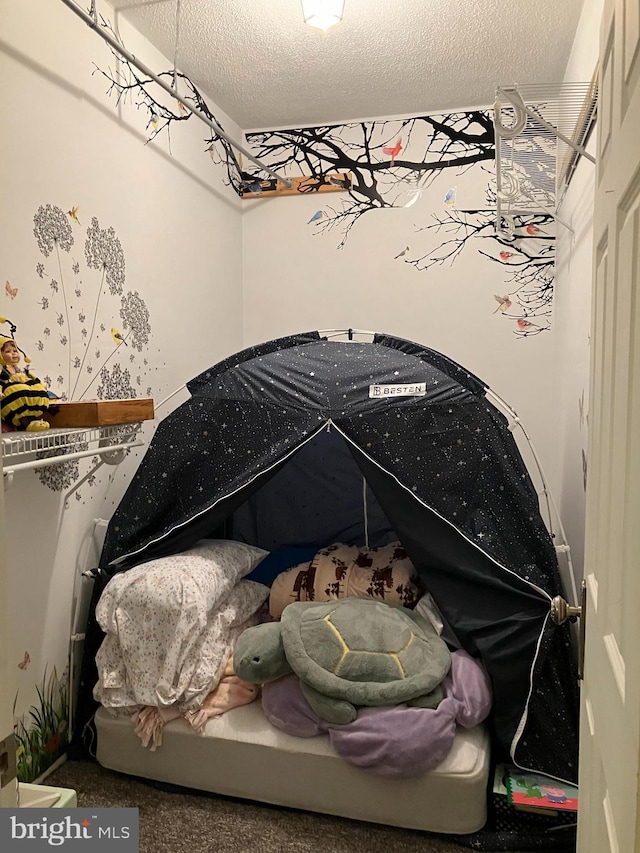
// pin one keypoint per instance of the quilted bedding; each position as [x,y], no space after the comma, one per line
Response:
[171,625]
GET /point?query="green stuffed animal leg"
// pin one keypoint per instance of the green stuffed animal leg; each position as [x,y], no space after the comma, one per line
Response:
[428,700]
[332,710]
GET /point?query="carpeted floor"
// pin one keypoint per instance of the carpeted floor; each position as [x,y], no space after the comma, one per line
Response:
[179,821]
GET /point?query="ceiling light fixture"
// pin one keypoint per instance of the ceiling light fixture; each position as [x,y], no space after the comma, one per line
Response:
[322,13]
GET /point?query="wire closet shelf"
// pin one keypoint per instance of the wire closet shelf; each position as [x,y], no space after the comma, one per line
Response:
[24,450]
[541,132]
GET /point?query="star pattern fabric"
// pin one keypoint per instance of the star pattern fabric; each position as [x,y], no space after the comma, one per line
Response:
[443,466]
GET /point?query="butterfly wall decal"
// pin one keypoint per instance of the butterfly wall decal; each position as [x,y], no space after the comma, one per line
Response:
[10,291]
[26,660]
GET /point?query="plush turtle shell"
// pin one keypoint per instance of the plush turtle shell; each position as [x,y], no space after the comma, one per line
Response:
[363,651]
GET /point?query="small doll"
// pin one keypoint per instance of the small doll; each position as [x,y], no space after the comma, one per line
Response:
[24,398]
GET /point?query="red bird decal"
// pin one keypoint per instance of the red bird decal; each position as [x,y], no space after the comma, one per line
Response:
[533,230]
[394,150]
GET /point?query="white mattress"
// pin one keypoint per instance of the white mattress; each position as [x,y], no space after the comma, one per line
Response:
[243,755]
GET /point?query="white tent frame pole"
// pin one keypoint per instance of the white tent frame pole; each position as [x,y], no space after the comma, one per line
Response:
[337,333]
[91,20]
[564,547]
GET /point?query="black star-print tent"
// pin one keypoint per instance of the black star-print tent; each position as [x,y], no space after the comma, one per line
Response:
[443,475]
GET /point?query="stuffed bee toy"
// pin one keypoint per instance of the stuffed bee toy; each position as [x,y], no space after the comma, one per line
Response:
[24,398]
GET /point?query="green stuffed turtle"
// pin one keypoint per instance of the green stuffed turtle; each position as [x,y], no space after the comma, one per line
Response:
[348,653]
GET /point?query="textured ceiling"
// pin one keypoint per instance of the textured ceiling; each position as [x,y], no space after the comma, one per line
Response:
[265,68]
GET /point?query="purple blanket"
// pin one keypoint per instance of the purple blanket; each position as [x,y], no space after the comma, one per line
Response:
[390,741]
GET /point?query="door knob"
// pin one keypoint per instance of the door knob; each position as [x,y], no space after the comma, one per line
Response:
[561,610]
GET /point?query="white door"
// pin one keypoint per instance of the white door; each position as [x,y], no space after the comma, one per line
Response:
[609,816]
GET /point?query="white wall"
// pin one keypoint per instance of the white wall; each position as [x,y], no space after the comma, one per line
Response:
[573,307]
[65,143]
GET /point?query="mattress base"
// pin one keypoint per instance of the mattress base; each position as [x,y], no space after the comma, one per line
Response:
[242,755]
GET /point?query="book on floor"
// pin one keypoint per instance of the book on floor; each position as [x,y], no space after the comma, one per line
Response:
[534,791]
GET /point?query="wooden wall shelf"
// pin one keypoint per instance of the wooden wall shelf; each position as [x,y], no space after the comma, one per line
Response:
[338,182]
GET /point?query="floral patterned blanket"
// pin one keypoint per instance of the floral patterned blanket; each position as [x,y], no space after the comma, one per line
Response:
[230,692]
[171,626]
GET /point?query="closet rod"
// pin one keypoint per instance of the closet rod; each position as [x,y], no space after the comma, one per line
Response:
[92,21]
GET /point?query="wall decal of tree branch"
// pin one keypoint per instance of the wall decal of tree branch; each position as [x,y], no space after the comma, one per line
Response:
[161,111]
[529,256]
[383,176]
[393,162]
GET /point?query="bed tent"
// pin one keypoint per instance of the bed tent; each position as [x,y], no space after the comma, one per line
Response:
[443,474]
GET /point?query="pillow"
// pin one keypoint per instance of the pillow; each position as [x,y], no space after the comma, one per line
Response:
[205,574]
[279,561]
[234,559]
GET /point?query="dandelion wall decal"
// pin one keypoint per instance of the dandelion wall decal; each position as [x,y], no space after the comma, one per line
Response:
[84,316]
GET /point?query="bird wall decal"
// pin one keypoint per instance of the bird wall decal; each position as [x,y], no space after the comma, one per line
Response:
[450,197]
[504,303]
[393,150]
